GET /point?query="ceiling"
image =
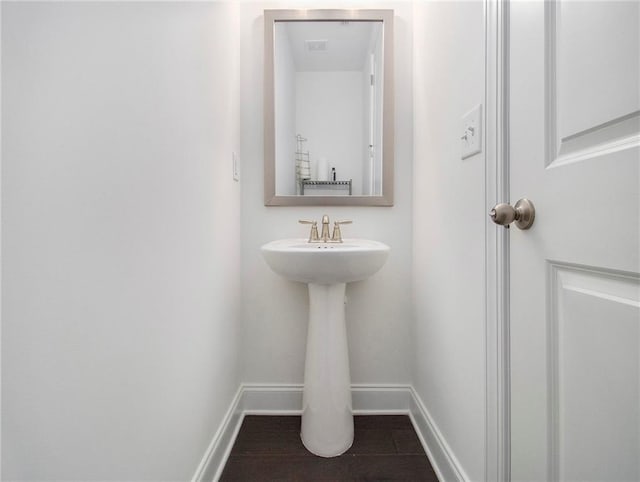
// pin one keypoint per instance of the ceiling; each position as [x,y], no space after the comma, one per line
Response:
[341,45]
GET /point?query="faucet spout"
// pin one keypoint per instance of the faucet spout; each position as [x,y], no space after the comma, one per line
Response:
[324,235]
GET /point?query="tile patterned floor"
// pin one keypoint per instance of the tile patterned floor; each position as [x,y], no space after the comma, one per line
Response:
[384,448]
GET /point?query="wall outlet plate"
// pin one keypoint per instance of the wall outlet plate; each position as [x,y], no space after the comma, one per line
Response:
[236,167]
[471,135]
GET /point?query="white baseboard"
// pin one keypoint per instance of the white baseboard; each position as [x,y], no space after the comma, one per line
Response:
[215,457]
[274,399]
[442,458]
[287,399]
[381,399]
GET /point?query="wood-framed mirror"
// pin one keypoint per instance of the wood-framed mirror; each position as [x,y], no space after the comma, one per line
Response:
[328,108]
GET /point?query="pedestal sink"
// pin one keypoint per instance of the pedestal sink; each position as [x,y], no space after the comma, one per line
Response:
[327,419]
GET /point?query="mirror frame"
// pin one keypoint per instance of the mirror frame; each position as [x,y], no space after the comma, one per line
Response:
[270,196]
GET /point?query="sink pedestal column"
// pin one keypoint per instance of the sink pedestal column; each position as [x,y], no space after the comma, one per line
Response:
[327,419]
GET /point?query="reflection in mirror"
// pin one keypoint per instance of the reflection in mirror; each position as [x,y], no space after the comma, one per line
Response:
[328,108]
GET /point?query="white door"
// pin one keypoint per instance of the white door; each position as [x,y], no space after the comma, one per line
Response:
[574,134]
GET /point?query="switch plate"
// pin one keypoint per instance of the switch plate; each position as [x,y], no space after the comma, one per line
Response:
[236,167]
[471,135]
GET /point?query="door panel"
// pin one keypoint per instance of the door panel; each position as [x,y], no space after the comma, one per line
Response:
[591,88]
[597,75]
[594,374]
[574,129]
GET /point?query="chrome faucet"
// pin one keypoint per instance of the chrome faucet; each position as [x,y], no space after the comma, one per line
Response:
[313,235]
[324,235]
[336,237]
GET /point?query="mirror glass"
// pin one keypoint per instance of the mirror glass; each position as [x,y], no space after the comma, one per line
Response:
[328,111]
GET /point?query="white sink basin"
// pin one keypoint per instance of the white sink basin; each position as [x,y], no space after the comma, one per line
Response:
[325,263]
[327,418]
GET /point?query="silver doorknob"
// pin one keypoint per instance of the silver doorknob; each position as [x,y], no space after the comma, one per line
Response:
[523,213]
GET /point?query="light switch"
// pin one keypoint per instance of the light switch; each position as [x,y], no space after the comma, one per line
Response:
[471,136]
[236,167]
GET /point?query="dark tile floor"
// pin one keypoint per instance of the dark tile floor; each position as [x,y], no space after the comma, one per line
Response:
[384,448]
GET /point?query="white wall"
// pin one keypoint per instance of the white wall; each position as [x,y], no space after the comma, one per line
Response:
[275,310]
[367,119]
[449,223]
[285,113]
[120,237]
[329,109]
[378,116]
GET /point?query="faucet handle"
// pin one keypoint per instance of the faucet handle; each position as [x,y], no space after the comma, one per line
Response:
[313,235]
[337,234]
